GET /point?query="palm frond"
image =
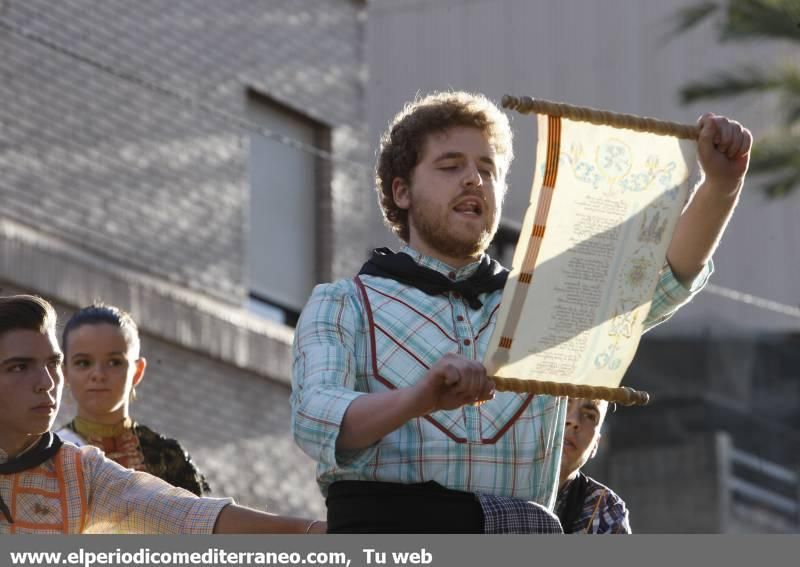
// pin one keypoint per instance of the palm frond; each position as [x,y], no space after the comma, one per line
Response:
[775,19]
[782,184]
[728,84]
[788,77]
[776,161]
[775,151]
[691,16]
[791,76]
[791,111]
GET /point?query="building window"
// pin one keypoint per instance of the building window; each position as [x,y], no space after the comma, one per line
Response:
[287,196]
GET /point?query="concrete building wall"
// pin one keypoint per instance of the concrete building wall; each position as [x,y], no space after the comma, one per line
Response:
[701,486]
[690,497]
[124,146]
[95,152]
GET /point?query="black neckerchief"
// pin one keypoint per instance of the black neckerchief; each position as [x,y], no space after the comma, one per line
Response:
[490,275]
[47,446]
[573,502]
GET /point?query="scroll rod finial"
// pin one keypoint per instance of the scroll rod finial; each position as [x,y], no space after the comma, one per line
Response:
[635,397]
[509,101]
[522,104]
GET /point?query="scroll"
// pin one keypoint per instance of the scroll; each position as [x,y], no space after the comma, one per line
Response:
[604,203]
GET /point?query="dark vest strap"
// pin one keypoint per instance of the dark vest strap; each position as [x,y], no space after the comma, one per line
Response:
[46,447]
[575,500]
[386,507]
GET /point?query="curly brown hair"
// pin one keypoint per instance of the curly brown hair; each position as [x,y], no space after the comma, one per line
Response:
[402,144]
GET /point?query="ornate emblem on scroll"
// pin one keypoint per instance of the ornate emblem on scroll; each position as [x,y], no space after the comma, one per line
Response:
[603,207]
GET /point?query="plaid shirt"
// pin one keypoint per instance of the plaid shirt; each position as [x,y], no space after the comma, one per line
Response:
[603,511]
[80,491]
[509,446]
[506,515]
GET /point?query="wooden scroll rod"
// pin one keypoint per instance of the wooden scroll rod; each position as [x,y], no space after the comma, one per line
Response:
[624,396]
[528,105]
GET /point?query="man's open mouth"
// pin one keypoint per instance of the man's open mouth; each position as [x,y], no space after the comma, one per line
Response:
[469,207]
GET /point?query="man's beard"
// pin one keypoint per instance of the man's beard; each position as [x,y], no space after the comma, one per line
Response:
[436,235]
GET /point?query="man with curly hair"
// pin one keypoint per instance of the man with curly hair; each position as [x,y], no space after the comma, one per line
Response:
[389,395]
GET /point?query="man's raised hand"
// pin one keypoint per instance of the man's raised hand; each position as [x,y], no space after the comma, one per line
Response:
[723,149]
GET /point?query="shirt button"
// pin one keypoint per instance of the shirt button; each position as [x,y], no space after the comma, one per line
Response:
[460,318]
[451,275]
[467,342]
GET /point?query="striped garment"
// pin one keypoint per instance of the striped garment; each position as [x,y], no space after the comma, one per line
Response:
[80,491]
[375,334]
[603,511]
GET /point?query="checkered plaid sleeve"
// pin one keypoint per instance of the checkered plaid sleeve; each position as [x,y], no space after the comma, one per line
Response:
[671,295]
[606,512]
[509,515]
[124,501]
[324,373]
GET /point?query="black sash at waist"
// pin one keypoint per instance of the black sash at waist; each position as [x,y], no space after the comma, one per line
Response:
[392,508]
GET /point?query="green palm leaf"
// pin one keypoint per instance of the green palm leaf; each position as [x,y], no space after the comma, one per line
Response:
[776,159]
[691,16]
[774,19]
[729,84]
